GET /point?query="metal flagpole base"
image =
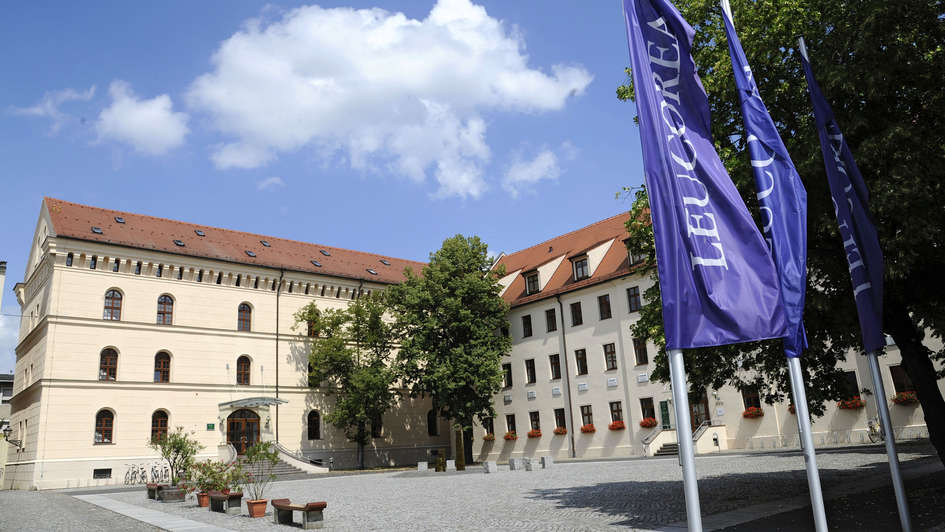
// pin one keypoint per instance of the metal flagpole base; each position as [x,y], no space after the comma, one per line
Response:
[677,375]
[879,392]
[807,443]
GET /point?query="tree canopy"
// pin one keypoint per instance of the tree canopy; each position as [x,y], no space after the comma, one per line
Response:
[881,66]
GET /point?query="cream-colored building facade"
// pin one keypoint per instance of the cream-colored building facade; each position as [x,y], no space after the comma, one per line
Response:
[92,380]
[591,269]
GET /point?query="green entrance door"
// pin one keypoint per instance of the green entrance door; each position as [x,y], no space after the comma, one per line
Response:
[664,414]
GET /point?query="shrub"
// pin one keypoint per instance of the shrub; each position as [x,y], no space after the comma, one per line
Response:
[261,459]
[178,449]
[648,422]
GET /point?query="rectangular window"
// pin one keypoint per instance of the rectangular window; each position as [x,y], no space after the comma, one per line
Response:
[510,422]
[530,371]
[555,362]
[200,277]
[116,265]
[488,426]
[531,283]
[751,398]
[580,269]
[849,387]
[535,420]
[646,407]
[138,268]
[576,317]
[559,418]
[526,326]
[587,416]
[69,258]
[633,299]
[603,304]
[160,270]
[901,380]
[551,321]
[580,359]
[507,375]
[101,473]
[639,351]
[94,262]
[610,356]
[616,411]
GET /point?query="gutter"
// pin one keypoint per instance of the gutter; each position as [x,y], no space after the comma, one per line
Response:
[567,375]
[278,291]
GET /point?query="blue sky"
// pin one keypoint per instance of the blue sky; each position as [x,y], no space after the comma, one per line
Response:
[378,126]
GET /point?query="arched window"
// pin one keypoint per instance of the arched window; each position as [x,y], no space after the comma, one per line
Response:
[162,367]
[158,425]
[104,423]
[244,317]
[433,428]
[112,305]
[243,365]
[314,425]
[108,365]
[165,310]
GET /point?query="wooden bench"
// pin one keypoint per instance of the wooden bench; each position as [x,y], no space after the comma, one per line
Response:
[312,517]
[152,490]
[230,503]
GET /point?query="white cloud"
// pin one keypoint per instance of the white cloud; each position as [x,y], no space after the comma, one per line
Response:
[523,174]
[149,126]
[389,93]
[48,106]
[270,182]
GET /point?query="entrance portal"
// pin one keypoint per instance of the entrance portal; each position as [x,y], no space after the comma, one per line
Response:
[242,429]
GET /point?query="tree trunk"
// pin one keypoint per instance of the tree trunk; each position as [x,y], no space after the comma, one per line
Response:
[361,438]
[919,367]
[460,450]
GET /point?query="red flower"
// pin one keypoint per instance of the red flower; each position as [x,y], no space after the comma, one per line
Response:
[752,412]
[510,435]
[617,425]
[534,433]
[851,404]
[648,422]
[489,437]
[560,430]
[588,428]
[905,398]
[791,409]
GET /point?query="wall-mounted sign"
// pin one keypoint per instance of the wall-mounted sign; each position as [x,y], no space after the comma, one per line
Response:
[556,391]
[210,426]
[531,394]
[612,382]
[720,412]
[643,377]
[582,386]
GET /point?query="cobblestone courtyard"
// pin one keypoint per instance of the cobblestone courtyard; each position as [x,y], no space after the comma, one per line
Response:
[568,496]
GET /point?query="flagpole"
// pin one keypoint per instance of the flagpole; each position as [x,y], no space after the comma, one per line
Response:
[879,392]
[677,376]
[807,443]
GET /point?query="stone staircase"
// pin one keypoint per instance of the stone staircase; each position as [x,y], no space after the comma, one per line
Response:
[668,449]
[282,470]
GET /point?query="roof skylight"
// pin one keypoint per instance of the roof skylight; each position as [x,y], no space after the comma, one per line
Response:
[119,219]
[96,230]
[385,262]
[316,263]
[371,271]
[199,232]
[263,242]
[179,243]
[250,253]
[325,253]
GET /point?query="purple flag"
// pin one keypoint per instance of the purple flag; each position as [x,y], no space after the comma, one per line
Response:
[780,192]
[851,206]
[718,282]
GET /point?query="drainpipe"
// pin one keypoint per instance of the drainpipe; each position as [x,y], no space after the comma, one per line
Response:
[567,375]
[278,291]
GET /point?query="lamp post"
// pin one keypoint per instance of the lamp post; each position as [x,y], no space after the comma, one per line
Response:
[6,435]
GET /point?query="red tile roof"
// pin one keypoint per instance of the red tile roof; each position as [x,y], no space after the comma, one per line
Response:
[73,220]
[615,262]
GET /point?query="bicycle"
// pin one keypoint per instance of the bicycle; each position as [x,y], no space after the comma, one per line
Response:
[875,431]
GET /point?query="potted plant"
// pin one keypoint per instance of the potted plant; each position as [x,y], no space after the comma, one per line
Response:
[617,425]
[588,428]
[178,449]
[648,422]
[534,433]
[202,477]
[853,403]
[489,437]
[260,459]
[560,431]
[905,398]
[510,436]
[753,412]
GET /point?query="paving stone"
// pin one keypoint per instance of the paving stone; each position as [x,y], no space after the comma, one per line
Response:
[421,466]
[546,462]
[490,467]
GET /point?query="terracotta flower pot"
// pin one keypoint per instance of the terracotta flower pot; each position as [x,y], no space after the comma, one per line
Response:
[203,499]
[257,508]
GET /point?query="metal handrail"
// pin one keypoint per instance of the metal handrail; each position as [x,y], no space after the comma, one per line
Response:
[651,436]
[233,454]
[700,430]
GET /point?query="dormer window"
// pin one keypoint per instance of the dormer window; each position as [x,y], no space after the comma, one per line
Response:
[531,283]
[634,258]
[581,271]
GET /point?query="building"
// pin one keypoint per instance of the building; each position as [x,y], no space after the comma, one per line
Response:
[132,325]
[575,364]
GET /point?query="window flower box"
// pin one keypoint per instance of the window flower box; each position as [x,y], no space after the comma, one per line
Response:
[905,398]
[534,433]
[560,431]
[589,428]
[617,425]
[648,422]
[753,412]
[510,436]
[489,437]
[792,410]
[851,404]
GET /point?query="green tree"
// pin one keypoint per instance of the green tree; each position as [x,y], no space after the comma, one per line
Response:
[881,65]
[178,449]
[448,323]
[351,356]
